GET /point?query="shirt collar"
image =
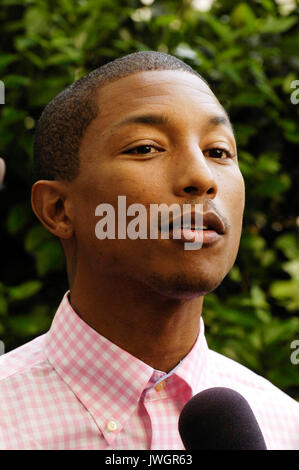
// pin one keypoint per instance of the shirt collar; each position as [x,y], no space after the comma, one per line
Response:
[192,366]
[107,380]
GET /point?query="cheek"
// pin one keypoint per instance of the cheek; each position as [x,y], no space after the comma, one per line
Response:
[231,194]
[104,186]
[232,202]
[238,198]
[139,181]
[232,190]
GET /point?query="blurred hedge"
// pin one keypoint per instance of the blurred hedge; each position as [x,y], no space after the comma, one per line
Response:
[248,51]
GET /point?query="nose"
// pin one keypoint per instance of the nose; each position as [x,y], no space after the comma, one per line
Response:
[194,175]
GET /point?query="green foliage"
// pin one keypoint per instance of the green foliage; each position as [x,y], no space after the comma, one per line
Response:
[248,51]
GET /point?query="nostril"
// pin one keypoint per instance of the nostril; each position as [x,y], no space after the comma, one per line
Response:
[210,191]
[189,189]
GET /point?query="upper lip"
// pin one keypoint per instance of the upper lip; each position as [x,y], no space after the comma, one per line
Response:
[209,219]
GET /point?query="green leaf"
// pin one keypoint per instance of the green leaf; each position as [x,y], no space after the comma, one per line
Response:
[288,244]
[6,59]
[242,15]
[292,136]
[223,31]
[268,162]
[252,242]
[35,20]
[35,238]
[248,98]
[235,274]
[49,257]
[3,305]
[35,59]
[273,185]
[258,297]
[246,319]
[15,81]
[272,25]
[17,218]
[276,331]
[22,43]
[35,323]
[10,116]
[25,290]
[285,289]
[292,267]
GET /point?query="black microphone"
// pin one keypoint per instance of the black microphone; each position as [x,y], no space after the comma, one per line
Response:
[219,419]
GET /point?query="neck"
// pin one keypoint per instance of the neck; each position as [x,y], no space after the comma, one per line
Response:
[156,329]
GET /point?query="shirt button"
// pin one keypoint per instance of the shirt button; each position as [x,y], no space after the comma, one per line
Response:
[111,425]
[160,386]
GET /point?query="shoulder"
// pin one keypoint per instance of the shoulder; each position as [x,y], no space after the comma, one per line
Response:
[234,372]
[21,359]
[277,413]
[31,394]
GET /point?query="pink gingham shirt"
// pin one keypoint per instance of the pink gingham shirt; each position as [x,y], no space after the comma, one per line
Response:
[71,388]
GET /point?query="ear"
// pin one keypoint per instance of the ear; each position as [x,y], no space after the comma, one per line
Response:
[52,206]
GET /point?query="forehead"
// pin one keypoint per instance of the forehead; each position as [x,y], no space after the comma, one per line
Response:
[175,92]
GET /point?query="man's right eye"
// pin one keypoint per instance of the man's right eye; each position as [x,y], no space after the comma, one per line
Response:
[142,149]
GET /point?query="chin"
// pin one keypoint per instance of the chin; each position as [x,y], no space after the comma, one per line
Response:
[181,286]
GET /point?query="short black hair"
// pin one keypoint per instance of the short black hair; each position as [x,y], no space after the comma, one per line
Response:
[65,119]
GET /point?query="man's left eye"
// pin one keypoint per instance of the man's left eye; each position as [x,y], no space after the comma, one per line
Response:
[218,153]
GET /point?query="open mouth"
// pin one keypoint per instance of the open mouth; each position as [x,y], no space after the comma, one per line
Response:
[208,231]
[190,227]
[210,222]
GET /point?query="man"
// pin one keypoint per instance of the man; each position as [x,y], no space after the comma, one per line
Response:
[126,349]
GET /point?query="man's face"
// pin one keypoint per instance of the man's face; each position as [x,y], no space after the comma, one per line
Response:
[157,161]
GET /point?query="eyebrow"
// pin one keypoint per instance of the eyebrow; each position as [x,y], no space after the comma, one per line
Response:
[163,120]
[150,119]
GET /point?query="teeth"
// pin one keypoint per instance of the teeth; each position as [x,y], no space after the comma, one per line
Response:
[188,227]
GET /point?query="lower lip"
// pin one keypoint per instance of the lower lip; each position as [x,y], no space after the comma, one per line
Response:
[206,237]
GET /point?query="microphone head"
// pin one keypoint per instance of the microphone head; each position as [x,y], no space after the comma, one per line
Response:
[219,419]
